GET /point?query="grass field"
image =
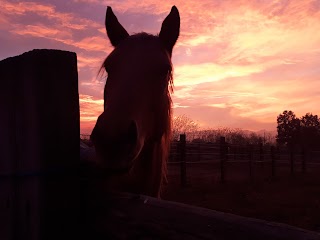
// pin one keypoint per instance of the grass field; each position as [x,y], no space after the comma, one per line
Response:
[292,199]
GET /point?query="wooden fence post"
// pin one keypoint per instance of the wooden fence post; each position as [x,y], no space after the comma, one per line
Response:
[183,167]
[303,166]
[199,152]
[291,161]
[273,166]
[242,151]
[250,158]
[261,155]
[177,156]
[39,146]
[223,158]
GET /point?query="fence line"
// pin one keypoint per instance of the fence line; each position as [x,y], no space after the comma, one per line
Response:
[224,154]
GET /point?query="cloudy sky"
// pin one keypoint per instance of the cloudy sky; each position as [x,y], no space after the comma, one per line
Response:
[237,63]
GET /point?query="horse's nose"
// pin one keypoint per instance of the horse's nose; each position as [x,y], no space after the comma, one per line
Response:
[116,142]
[106,132]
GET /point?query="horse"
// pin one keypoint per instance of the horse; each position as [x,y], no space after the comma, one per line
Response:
[132,135]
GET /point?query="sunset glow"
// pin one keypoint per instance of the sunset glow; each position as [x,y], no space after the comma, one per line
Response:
[236,64]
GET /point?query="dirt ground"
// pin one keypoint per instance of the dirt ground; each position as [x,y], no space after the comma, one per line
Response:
[291,199]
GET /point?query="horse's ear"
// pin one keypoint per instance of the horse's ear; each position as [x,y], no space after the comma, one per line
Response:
[115,31]
[170,29]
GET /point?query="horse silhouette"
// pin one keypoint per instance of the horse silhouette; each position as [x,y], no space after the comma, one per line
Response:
[132,135]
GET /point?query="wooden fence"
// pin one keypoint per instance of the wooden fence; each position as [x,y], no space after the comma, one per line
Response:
[253,161]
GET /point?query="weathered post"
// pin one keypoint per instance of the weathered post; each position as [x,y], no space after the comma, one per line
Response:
[39,144]
[250,161]
[291,161]
[303,166]
[273,162]
[199,152]
[242,151]
[223,158]
[183,165]
[261,154]
[177,155]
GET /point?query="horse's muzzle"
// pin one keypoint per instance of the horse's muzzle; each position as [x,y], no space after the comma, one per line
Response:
[115,153]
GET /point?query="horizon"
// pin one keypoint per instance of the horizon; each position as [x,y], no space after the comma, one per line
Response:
[236,64]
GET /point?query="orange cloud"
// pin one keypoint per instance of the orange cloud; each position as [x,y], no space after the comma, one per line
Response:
[93,44]
[210,72]
[244,62]
[68,20]
[245,42]
[89,44]
[85,60]
[23,7]
[90,109]
[42,31]
[60,30]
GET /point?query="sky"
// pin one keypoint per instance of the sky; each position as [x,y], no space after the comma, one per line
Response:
[237,63]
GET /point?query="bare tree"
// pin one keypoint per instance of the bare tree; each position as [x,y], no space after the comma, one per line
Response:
[183,124]
[235,136]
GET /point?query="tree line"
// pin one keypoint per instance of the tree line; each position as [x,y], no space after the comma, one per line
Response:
[184,124]
[293,131]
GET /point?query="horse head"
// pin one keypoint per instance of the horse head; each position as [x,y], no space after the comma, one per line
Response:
[137,102]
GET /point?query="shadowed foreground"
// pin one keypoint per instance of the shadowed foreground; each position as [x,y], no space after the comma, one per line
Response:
[291,199]
[128,216]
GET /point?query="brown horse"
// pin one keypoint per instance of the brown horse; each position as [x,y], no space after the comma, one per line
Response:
[132,136]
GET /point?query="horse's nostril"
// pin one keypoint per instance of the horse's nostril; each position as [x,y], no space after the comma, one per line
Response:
[132,133]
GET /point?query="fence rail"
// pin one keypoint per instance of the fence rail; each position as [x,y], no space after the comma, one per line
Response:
[226,161]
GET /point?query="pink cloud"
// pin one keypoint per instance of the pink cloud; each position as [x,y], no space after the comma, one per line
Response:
[41,31]
[68,20]
[243,62]
[88,61]
[90,109]
[93,44]
[96,43]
